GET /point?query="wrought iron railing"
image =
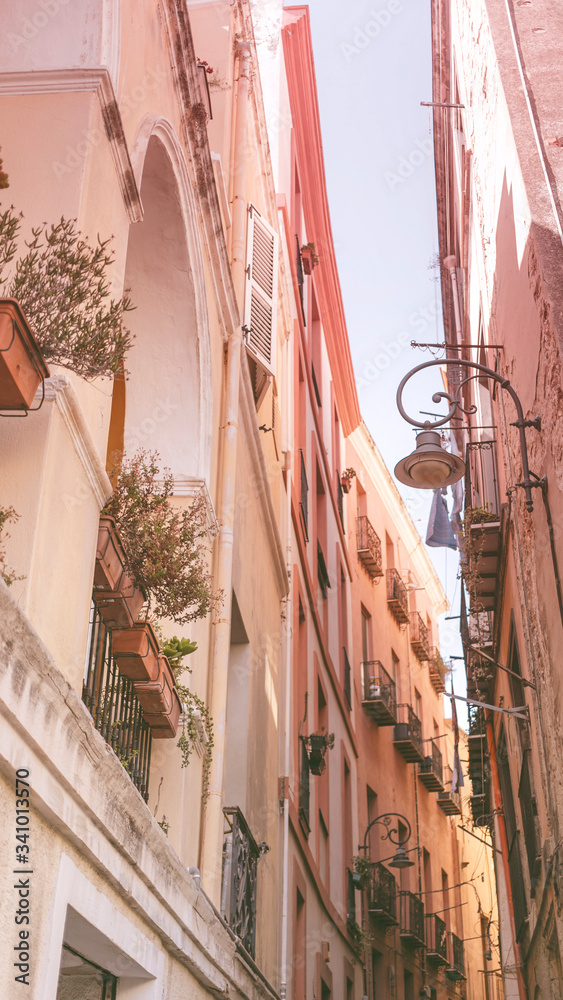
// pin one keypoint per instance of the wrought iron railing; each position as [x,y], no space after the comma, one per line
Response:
[240,865]
[411,919]
[397,597]
[408,728]
[304,790]
[382,893]
[433,763]
[369,547]
[340,499]
[379,685]
[448,800]
[437,670]
[436,938]
[350,898]
[111,700]
[419,635]
[481,482]
[347,678]
[304,502]
[456,968]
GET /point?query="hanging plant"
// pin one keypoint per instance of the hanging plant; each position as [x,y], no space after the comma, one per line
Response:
[165,548]
[195,710]
[62,284]
[317,745]
[8,575]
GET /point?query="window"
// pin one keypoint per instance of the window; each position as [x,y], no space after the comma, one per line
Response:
[80,978]
[366,636]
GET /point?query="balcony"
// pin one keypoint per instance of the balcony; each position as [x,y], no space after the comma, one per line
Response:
[420,642]
[482,526]
[397,597]
[304,498]
[241,854]
[430,771]
[407,735]
[369,547]
[382,895]
[379,698]
[455,968]
[411,920]
[436,940]
[437,670]
[449,802]
[111,700]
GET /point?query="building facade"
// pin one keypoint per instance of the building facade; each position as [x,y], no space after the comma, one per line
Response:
[497,89]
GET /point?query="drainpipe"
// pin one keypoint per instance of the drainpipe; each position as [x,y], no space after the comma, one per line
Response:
[450,264]
[497,796]
[288,632]
[212,845]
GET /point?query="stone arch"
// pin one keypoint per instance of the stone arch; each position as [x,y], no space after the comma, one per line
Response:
[168,394]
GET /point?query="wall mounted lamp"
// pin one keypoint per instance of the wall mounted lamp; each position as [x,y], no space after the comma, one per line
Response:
[400,859]
[430,466]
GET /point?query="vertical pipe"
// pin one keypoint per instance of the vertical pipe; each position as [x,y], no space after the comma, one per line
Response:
[212,843]
[450,263]
[287,670]
[497,796]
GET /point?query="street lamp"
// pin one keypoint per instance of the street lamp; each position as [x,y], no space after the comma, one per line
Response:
[430,466]
[400,860]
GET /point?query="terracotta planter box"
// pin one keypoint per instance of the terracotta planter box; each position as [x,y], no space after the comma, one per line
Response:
[157,697]
[135,650]
[165,726]
[22,368]
[116,595]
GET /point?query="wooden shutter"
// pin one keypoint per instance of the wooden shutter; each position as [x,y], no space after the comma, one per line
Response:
[261,290]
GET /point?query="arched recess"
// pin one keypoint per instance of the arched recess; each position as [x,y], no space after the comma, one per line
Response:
[168,392]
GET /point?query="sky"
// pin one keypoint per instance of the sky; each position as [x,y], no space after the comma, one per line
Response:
[373,68]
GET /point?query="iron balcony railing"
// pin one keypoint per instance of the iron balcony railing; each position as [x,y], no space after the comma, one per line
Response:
[411,918]
[379,696]
[340,499]
[456,966]
[437,670]
[481,481]
[304,502]
[382,894]
[420,641]
[240,865]
[304,790]
[407,735]
[350,898]
[397,597]
[369,547]
[115,708]
[449,802]
[430,770]
[347,678]
[436,940]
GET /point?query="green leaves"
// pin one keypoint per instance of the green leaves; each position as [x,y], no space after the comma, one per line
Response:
[175,649]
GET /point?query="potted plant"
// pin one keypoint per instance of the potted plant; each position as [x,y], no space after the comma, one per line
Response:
[309,257]
[136,652]
[363,868]
[165,550]
[346,478]
[160,701]
[61,285]
[116,595]
[317,745]
[22,368]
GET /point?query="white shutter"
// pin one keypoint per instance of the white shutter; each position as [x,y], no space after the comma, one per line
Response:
[260,301]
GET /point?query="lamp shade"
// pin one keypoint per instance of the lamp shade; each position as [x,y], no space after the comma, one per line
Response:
[429,466]
[401,860]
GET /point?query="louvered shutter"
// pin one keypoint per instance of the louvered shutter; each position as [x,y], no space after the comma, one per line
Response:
[261,290]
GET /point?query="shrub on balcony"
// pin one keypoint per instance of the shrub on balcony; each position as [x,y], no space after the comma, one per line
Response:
[165,548]
[62,285]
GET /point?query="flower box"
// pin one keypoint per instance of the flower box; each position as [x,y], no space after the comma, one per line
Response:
[117,597]
[22,368]
[135,650]
[157,697]
[164,725]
